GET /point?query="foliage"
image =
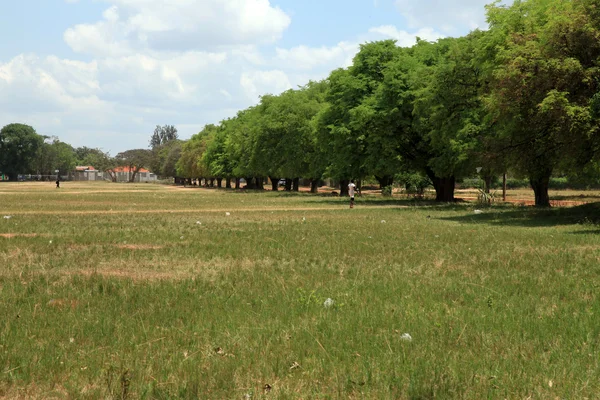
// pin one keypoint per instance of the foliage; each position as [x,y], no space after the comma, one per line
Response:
[19,145]
[55,155]
[133,160]
[163,135]
[542,86]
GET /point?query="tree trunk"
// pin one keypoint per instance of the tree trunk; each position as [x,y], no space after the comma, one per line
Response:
[259,183]
[228,183]
[488,183]
[296,185]
[444,187]
[274,183]
[539,184]
[344,187]
[249,182]
[384,181]
[219,183]
[12,176]
[504,187]
[212,182]
[288,185]
[314,185]
[237,183]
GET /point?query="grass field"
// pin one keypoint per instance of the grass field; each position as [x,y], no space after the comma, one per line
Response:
[148,291]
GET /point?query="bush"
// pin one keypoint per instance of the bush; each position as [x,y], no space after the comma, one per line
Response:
[388,190]
[413,183]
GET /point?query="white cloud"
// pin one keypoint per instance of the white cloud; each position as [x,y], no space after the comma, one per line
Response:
[181,62]
[179,25]
[258,83]
[307,58]
[404,38]
[450,17]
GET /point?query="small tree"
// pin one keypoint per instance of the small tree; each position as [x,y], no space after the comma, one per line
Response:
[134,160]
[19,145]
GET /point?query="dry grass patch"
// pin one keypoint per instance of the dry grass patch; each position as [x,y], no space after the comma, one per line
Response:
[14,235]
[139,246]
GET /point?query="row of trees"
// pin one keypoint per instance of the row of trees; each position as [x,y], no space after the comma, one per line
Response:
[523,96]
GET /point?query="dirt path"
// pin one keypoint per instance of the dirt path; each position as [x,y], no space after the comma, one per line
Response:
[190,211]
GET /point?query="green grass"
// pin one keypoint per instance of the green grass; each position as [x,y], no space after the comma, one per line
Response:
[143,302]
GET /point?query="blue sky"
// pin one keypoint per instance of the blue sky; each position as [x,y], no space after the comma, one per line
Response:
[103,73]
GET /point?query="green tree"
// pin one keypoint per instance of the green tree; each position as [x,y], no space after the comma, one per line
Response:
[542,90]
[191,164]
[19,145]
[345,126]
[55,155]
[134,160]
[284,136]
[162,135]
[98,159]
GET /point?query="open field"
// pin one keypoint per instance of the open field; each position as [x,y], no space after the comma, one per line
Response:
[149,291]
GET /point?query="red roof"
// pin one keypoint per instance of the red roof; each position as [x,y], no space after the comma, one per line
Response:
[127,169]
[85,168]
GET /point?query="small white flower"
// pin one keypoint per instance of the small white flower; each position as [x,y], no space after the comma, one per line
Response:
[198,223]
[71,340]
[303,219]
[478,212]
[50,242]
[7,216]
[181,238]
[383,221]
[406,337]
[227,214]
[328,303]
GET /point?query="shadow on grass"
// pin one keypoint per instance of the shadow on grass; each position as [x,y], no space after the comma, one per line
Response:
[532,217]
[581,197]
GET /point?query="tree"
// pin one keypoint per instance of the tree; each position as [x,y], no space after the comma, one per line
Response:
[215,157]
[543,86]
[133,160]
[19,145]
[191,164]
[345,126]
[55,155]
[163,135]
[283,142]
[98,159]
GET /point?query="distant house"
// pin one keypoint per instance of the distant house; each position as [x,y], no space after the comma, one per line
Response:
[87,173]
[123,174]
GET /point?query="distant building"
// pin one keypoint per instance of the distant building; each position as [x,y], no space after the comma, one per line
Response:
[87,173]
[123,174]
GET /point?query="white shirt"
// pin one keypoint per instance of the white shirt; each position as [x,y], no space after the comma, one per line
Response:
[351,188]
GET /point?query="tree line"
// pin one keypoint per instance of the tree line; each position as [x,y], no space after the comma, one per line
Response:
[522,97]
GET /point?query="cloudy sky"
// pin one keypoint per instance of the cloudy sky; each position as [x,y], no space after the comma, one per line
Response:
[103,73]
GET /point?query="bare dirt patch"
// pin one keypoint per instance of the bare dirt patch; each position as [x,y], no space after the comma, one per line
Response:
[14,235]
[137,275]
[341,207]
[139,246]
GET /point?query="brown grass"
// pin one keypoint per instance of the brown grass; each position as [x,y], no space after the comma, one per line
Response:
[139,246]
[14,235]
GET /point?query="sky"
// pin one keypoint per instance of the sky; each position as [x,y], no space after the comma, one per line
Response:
[104,73]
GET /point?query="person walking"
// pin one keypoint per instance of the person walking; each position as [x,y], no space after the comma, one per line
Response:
[351,192]
[58,183]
